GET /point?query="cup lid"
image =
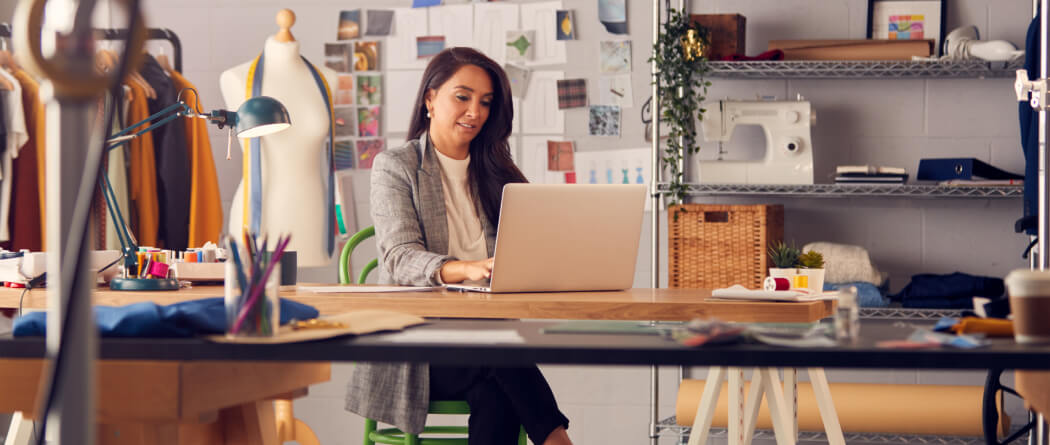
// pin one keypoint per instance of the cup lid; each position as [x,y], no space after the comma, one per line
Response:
[1026,281]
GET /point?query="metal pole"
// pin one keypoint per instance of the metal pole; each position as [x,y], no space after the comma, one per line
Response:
[1044,196]
[654,221]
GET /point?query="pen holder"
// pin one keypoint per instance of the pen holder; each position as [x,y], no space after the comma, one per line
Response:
[252,299]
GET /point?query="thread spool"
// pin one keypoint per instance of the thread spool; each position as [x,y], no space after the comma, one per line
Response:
[799,282]
[158,269]
[776,283]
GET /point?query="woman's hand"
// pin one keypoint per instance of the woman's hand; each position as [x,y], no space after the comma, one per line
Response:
[460,271]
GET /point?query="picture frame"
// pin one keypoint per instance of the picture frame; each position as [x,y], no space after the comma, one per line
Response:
[908,20]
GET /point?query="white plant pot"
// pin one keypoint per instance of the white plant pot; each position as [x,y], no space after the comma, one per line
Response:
[815,278]
[776,272]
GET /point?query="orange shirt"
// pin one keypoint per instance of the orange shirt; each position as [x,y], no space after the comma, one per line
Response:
[205,200]
[28,200]
[142,177]
[30,92]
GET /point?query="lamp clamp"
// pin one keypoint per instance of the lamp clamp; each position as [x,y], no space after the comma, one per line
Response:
[1037,88]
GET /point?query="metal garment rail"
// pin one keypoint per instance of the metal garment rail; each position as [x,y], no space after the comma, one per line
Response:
[122,34]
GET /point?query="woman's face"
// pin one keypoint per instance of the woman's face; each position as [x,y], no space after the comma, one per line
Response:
[459,107]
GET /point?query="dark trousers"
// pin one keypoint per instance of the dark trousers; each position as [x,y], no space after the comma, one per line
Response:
[501,401]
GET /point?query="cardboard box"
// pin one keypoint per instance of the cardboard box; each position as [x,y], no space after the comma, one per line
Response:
[852,49]
[726,33]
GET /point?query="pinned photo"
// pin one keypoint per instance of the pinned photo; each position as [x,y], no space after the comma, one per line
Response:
[369,90]
[572,93]
[378,22]
[344,154]
[338,56]
[565,25]
[344,91]
[519,79]
[615,57]
[429,46]
[520,45]
[368,121]
[349,25]
[345,121]
[604,120]
[560,156]
[613,15]
[366,56]
[367,149]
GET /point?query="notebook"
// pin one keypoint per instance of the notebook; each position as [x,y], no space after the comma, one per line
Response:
[566,237]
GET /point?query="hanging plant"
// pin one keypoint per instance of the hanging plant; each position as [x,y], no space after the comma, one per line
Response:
[681,58]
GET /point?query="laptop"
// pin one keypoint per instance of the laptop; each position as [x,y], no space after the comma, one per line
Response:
[565,237]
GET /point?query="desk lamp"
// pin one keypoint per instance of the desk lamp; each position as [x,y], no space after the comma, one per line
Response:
[258,116]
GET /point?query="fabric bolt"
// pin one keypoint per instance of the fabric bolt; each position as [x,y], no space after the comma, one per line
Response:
[16,137]
[958,285]
[205,199]
[572,93]
[26,221]
[173,166]
[142,174]
[206,316]
[868,295]
[466,240]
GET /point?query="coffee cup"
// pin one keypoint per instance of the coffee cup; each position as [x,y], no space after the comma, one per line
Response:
[1029,292]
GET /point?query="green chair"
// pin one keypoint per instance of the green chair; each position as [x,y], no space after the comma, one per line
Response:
[394,436]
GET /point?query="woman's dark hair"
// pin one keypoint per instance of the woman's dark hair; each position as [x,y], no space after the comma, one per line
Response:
[491,165]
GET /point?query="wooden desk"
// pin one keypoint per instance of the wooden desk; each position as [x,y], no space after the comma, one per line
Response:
[176,402]
[632,304]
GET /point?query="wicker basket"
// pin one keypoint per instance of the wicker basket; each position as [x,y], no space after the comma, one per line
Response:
[714,246]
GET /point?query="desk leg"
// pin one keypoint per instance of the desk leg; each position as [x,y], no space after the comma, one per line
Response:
[827,407]
[736,406]
[21,430]
[250,424]
[791,397]
[705,409]
[777,406]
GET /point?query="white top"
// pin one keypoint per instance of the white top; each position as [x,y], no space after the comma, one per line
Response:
[466,240]
[14,120]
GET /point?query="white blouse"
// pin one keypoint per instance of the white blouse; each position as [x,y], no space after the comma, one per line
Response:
[466,240]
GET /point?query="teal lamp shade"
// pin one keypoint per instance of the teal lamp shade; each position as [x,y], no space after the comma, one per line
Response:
[260,116]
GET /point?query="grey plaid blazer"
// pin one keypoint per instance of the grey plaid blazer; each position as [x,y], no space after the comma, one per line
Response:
[408,211]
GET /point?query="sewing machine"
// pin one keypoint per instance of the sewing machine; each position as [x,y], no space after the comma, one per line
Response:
[789,147]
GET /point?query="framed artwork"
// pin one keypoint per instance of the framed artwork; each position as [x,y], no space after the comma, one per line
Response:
[907,20]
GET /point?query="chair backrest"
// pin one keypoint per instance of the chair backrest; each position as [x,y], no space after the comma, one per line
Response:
[344,258]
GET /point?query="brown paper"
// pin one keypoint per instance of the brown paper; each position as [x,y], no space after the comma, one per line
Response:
[852,49]
[866,408]
[357,323]
[1034,386]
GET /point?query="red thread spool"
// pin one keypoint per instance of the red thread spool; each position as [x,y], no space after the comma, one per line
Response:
[776,283]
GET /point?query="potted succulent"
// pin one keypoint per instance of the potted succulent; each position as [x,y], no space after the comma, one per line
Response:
[784,258]
[811,264]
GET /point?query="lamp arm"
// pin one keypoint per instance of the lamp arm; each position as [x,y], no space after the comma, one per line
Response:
[128,245]
[169,114]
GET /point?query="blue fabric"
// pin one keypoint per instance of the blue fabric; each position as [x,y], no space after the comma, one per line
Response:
[1030,128]
[147,319]
[951,291]
[868,295]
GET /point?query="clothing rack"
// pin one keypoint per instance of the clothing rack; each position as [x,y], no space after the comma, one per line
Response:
[122,34]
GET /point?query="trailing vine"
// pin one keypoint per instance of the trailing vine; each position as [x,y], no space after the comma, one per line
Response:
[680,109]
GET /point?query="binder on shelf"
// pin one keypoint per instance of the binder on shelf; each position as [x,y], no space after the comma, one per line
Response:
[942,169]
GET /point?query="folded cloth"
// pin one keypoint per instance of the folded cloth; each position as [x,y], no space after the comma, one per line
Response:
[868,295]
[845,263]
[148,319]
[955,286]
[773,54]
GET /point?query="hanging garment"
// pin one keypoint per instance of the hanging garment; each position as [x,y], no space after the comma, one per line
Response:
[17,136]
[27,225]
[39,131]
[173,169]
[142,174]
[1030,130]
[117,173]
[253,158]
[205,199]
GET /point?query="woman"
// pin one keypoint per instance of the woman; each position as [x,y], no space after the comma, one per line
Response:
[435,204]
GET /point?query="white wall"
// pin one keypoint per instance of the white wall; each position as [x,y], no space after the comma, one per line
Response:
[886,122]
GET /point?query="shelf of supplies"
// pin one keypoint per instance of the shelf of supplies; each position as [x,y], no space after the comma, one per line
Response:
[851,69]
[903,313]
[853,190]
[670,426]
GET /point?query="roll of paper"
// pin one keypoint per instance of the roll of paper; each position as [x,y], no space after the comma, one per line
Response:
[866,408]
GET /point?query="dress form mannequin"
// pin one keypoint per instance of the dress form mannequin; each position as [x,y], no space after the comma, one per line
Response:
[294,182]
